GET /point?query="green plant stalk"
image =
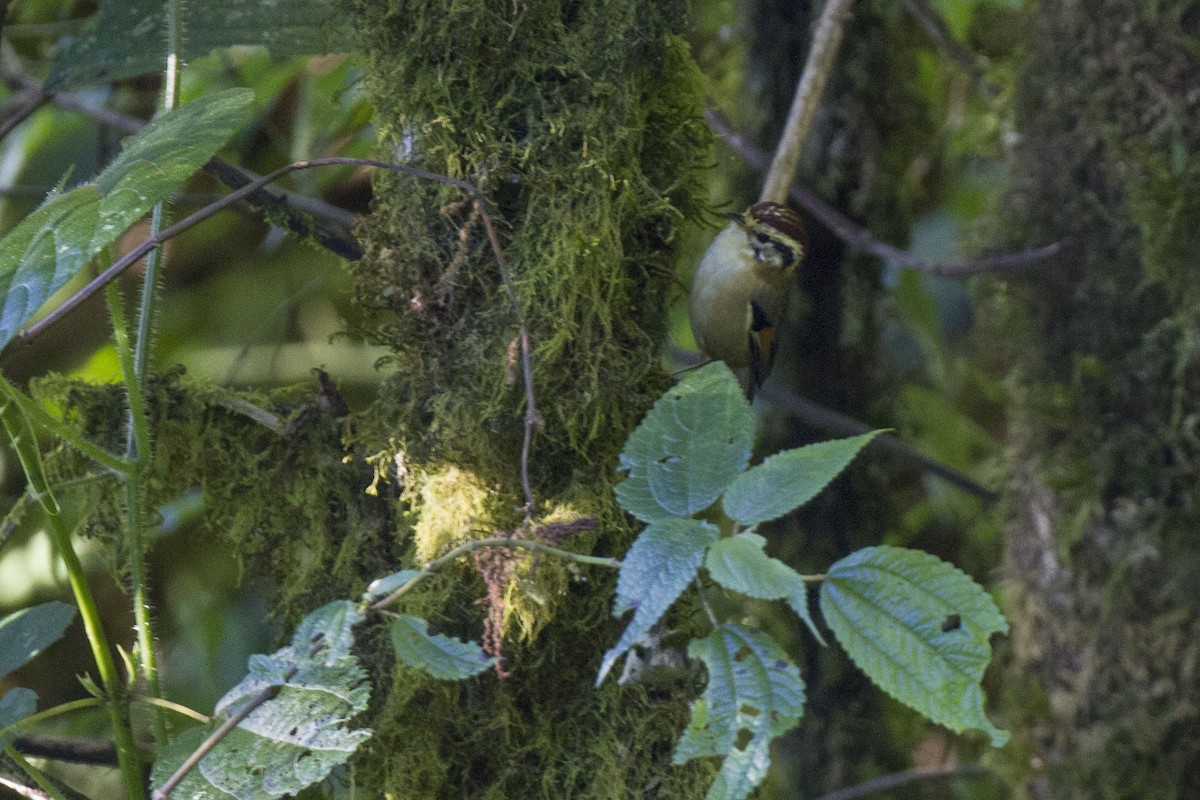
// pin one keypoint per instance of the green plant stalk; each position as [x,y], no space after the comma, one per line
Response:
[20,432]
[43,419]
[147,663]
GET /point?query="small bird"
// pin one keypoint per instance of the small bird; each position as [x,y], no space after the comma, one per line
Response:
[740,290]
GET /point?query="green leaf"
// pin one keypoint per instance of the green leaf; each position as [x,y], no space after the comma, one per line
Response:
[15,706]
[790,479]
[660,564]
[739,564]
[688,448]
[294,739]
[43,252]
[382,587]
[919,628]
[798,602]
[51,245]
[443,657]
[116,47]
[25,633]
[754,694]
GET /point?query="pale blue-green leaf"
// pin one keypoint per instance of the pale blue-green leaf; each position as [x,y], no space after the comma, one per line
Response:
[116,46]
[443,657]
[298,736]
[919,628]
[739,564]
[382,587]
[688,448]
[788,480]
[25,633]
[754,694]
[15,705]
[798,602]
[660,564]
[43,252]
[49,247]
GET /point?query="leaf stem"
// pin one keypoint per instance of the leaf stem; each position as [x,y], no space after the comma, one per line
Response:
[529,544]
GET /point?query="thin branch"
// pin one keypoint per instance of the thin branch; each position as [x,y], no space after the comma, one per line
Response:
[329,226]
[27,102]
[220,733]
[840,425]
[100,752]
[533,418]
[948,46]
[497,541]
[859,239]
[821,53]
[885,782]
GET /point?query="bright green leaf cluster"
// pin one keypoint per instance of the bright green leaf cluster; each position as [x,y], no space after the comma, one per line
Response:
[916,625]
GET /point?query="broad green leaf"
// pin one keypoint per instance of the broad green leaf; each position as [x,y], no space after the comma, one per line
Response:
[43,252]
[919,628]
[51,245]
[25,633]
[754,694]
[660,564]
[117,46]
[443,657]
[382,587]
[15,706]
[788,480]
[739,564]
[687,449]
[298,736]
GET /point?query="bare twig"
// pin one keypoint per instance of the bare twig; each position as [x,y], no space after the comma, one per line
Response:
[841,425]
[100,752]
[885,782]
[27,102]
[329,226]
[220,733]
[532,417]
[948,46]
[860,239]
[821,53]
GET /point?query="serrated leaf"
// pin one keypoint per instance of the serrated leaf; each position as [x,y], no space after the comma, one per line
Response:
[15,705]
[443,657]
[798,602]
[660,564]
[739,564]
[919,628]
[788,480]
[116,48]
[381,587]
[294,739]
[25,633]
[51,245]
[688,448]
[754,694]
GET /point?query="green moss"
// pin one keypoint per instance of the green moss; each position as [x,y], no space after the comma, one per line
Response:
[1101,538]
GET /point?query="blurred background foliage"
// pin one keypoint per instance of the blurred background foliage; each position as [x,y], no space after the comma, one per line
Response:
[248,305]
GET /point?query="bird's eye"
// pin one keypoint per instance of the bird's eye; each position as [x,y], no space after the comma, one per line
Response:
[763,238]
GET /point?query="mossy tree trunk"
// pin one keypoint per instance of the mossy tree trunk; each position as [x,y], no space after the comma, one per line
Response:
[1103,556]
[581,124]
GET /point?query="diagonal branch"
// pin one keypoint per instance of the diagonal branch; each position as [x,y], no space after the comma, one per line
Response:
[860,239]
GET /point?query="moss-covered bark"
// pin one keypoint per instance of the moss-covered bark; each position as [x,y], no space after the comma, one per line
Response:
[581,124]
[1102,553]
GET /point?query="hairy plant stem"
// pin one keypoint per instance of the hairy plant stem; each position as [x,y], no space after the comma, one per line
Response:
[20,432]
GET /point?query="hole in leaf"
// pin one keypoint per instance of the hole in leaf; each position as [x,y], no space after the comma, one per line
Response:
[742,654]
[951,623]
[744,738]
[669,459]
[748,710]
